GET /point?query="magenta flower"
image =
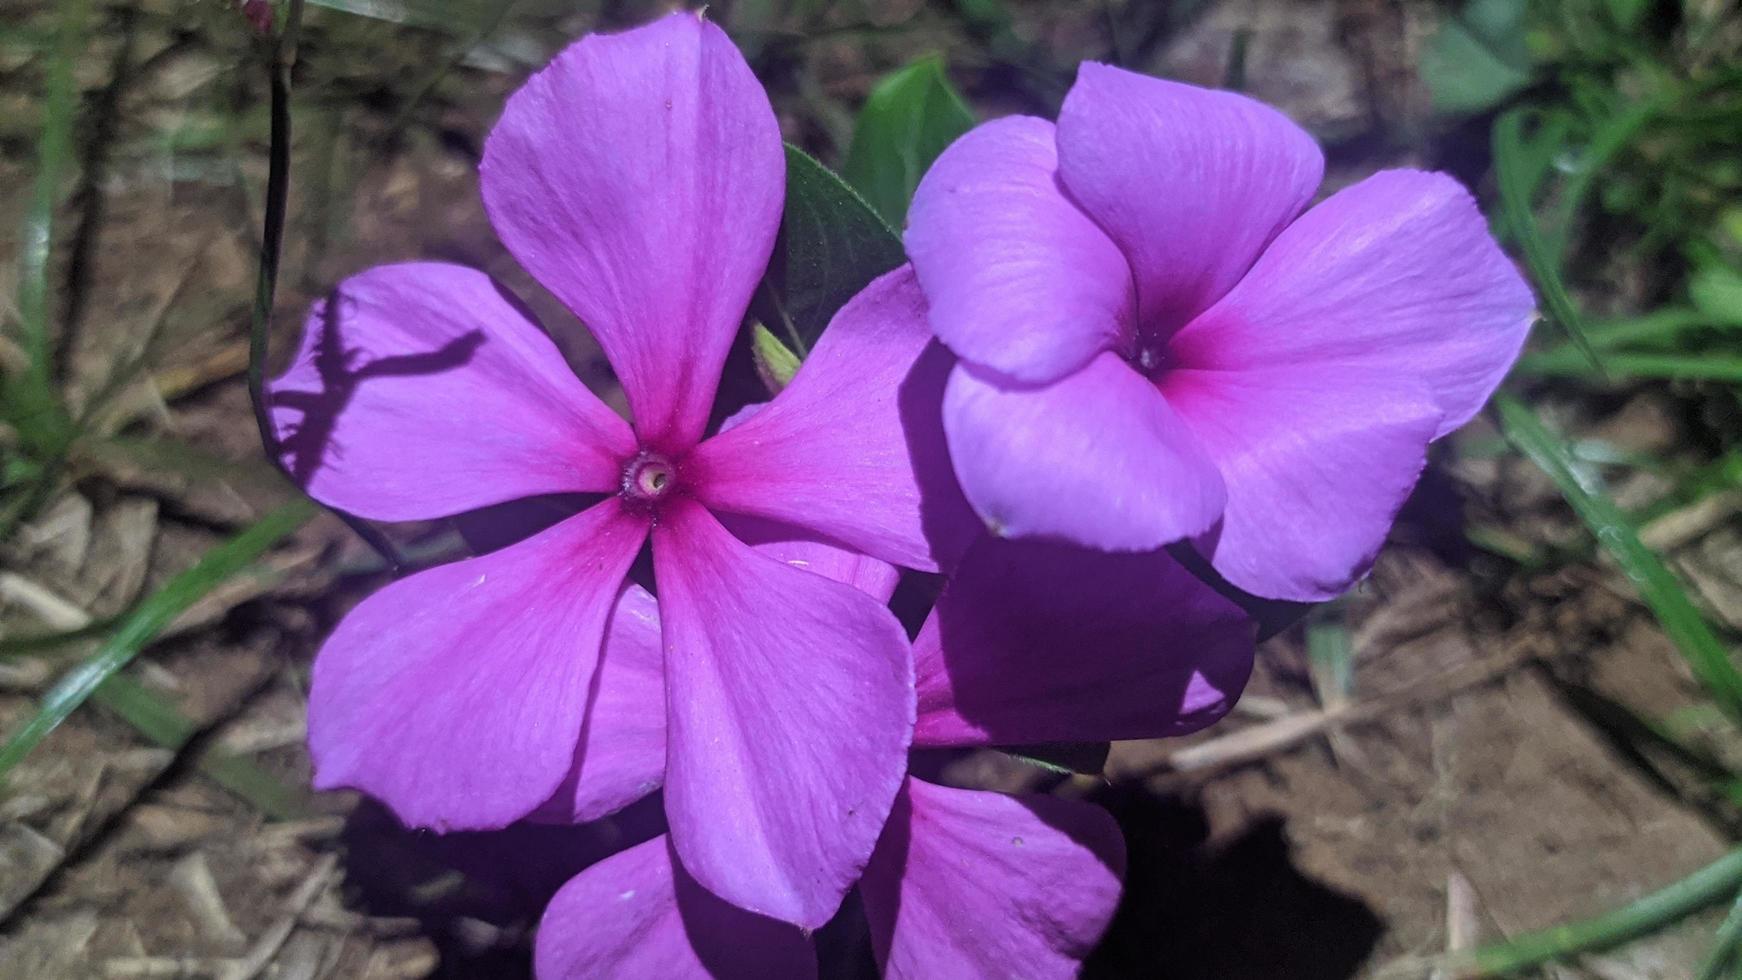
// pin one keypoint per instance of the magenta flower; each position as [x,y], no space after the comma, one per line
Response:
[640,178]
[1157,344]
[962,883]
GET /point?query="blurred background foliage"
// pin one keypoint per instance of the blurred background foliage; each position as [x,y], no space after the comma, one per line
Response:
[155,156]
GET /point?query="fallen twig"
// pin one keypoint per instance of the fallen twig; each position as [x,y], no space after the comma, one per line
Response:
[273,939]
[1257,741]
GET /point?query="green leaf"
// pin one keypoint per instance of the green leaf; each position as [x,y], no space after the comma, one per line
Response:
[911,116]
[1717,292]
[1477,60]
[831,245]
[1660,589]
[1065,758]
[775,362]
[149,618]
[1515,190]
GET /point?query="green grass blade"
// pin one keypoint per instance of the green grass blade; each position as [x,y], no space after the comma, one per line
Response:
[1660,589]
[164,723]
[1712,883]
[32,406]
[148,619]
[1684,367]
[1661,327]
[1331,658]
[1612,136]
[1725,945]
[1509,153]
[54,152]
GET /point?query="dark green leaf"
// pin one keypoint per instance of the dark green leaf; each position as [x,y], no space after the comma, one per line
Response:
[831,245]
[1660,589]
[1477,60]
[148,619]
[911,116]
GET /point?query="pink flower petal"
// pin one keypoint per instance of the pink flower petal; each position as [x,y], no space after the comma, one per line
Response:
[1192,183]
[1038,642]
[640,178]
[804,550]
[637,914]
[767,667]
[620,755]
[1396,274]
[1020,280]
[968,884]
[1317,465]
[423,390]
[851,449]
[1098,458]
[456,695]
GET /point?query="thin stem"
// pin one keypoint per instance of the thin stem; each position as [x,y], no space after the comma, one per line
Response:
[1710,884]
[271,249]
[272,237]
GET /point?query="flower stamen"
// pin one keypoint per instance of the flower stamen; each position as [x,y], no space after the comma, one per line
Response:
[648,477]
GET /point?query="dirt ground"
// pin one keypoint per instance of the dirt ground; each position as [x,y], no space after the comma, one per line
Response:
[1471,787]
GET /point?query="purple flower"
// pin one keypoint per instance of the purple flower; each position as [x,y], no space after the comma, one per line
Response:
[961,884]
[1157,344]
[640,178]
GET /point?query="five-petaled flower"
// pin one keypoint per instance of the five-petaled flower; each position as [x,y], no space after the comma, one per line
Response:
[640,178]
[962,883]
[1157,344]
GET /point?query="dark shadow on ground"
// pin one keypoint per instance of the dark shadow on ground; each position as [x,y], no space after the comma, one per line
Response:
[1237,911]
[477,895]
[1241,910]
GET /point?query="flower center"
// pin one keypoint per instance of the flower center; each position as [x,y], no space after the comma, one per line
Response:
[1150,359]
[648,477]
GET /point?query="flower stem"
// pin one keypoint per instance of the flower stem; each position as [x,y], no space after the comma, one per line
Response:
[1712,883]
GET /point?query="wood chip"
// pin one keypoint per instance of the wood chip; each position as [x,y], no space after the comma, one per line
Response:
[273,939]
[192,880]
